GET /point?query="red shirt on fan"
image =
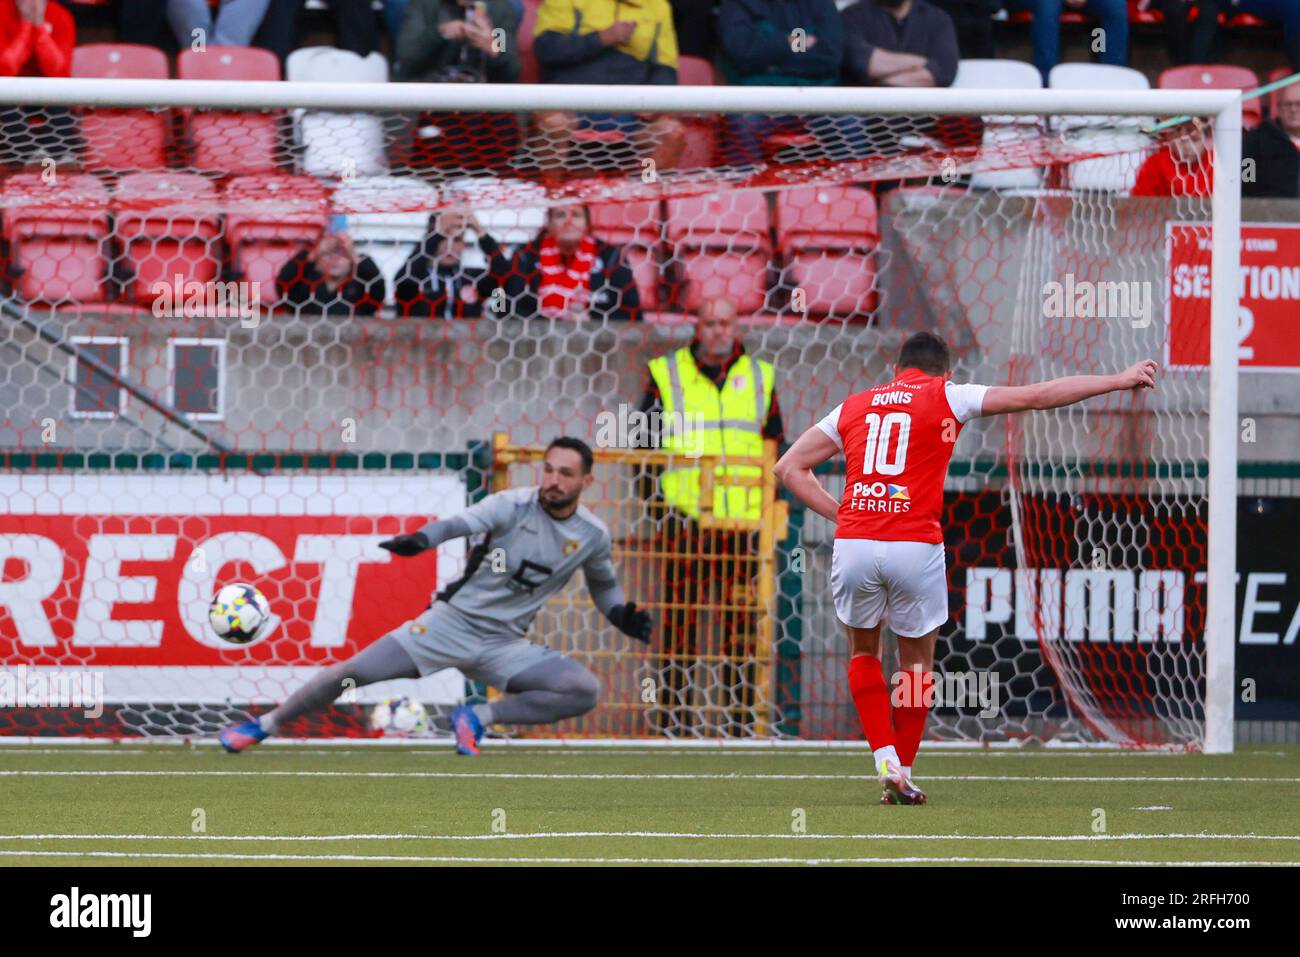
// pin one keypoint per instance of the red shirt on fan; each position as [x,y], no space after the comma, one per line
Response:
[897,439]
[1162,174]
[28,49]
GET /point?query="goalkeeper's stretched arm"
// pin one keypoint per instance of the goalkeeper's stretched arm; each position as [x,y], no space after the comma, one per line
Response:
[1055,393]
[430,536]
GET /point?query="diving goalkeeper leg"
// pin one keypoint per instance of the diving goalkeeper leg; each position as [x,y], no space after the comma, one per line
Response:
[384,660]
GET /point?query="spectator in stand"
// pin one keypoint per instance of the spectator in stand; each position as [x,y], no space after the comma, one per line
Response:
[778,43]
[1183,167]
[233,25]
[395,13]
[1284,13]
[354,22]
[899,43]
[36,39]
[973,20]
[1273,148]
[567,273]
[1188,40]
[452,41]
[435,283]
[1046,30]
[455,41]
[606,41]
[331,278]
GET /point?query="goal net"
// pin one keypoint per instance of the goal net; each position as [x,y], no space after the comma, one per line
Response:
[247,343]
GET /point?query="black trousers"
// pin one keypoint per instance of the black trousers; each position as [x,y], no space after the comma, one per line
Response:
[354,23]
[701,669]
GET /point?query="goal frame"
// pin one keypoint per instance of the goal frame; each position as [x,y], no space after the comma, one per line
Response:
[1223,107]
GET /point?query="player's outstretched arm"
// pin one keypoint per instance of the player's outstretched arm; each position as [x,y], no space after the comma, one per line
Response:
[795,472]
[1001,399]
[431,536]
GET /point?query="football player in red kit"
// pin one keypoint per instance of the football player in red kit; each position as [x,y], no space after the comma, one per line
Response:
[888,565]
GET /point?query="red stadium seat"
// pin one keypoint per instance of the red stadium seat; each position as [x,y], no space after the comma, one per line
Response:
[826,235]
[167,224]
[123,139]
[695,71]
[268,219]
[722,246]
[635,227]
[57,233]
[1216,77]
[228,141]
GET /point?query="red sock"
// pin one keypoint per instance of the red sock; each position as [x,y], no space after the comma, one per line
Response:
[909,718]
[871,697]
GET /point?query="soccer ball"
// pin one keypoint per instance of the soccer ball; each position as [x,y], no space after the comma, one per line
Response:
[239,613]
[400,716]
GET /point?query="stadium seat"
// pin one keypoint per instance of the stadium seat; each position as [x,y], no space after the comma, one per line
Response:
[1219,76]
[826,236]
[722,248]
[229,141]
[386,217]
[636,227]
[529,70]
[268,219]
[1114,136]
[57,234]
[167,224]
[338,145]
[1003,134]
[122,139]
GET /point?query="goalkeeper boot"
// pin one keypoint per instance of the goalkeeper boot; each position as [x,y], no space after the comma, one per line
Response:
[468,730]
[240,737]
[898,787]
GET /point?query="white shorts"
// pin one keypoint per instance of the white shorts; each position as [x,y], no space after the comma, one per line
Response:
[903,584]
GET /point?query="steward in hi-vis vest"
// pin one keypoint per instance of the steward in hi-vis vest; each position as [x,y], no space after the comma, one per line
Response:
[714,400]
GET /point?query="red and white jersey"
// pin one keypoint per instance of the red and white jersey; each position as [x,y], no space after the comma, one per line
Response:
[897,440]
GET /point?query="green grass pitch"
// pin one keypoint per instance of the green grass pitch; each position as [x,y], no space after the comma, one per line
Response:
[135,804]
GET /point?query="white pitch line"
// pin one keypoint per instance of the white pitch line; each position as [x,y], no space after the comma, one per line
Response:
[452,859]
[264,751]
[665,776]
[668,835]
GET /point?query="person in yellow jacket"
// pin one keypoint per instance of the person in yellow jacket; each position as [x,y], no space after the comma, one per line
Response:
[713,399]
[606,41]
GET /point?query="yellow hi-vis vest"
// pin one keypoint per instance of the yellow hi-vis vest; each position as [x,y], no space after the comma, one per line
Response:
[701,419]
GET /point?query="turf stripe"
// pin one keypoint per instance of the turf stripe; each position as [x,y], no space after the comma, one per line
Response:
[670,835]
[453,859]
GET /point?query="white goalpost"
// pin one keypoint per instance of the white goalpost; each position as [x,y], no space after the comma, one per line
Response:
[1093,552]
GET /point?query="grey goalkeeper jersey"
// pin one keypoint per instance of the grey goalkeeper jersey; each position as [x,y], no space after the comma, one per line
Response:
[523,558]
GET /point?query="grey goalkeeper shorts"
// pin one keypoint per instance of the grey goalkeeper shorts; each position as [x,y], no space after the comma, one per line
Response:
[441,637]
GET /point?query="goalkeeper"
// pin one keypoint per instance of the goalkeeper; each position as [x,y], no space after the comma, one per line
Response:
[534,539]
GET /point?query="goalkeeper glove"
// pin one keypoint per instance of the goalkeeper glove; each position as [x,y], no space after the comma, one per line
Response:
[633,623]
[407,545]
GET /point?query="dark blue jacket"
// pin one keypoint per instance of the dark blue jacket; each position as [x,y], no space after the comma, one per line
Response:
[756,47]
